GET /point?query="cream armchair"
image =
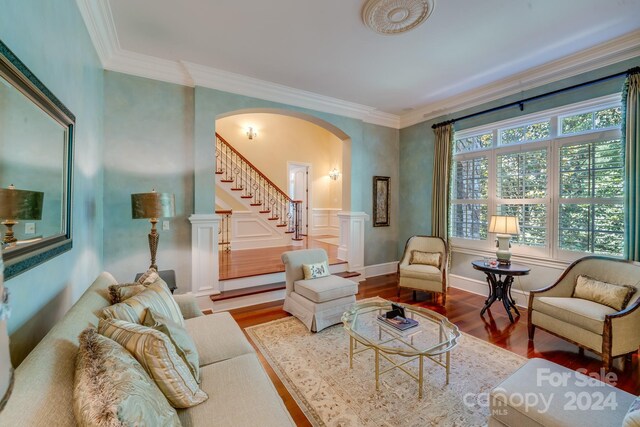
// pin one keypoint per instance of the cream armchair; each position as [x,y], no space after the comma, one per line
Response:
[318,303]
[604,330]
[424,276]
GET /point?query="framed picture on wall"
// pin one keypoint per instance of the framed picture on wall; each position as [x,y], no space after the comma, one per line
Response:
[380,201]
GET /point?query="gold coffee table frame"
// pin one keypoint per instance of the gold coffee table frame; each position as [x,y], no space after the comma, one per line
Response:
[364,314]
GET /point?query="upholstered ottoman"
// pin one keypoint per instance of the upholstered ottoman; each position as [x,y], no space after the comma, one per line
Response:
[542,393]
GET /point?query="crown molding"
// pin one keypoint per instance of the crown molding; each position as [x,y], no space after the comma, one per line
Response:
[608,53]
[98,19]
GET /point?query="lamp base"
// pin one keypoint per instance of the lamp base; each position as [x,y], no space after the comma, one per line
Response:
[503,254]
[9,236]
[153,242]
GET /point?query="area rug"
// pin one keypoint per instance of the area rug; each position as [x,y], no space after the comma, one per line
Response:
[315,369]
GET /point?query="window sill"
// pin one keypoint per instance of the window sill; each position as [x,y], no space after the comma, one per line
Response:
[518,258]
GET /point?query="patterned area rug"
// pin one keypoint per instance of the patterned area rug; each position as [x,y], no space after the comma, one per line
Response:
[315,370]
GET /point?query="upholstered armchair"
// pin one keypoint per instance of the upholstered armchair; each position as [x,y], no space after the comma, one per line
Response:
[589,323]
[320,302]
[423,266]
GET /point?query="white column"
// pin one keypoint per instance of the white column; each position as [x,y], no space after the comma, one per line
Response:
[204,254]
[351,248]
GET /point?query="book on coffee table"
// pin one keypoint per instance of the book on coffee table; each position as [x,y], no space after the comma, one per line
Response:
[398,322]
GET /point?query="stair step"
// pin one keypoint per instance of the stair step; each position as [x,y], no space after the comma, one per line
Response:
[237,189]
[219,172]
[266,211]
[255,204]
[248,196]
[297,240]
[273,218]
[226,180]
[289,232]
[281,225]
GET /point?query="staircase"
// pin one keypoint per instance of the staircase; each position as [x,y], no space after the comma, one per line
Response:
[252,188]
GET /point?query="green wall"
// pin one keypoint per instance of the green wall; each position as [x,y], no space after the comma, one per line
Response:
[416,158]
[51,39]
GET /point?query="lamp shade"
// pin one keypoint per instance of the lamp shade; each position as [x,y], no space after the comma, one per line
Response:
[153,205]
[20,204]
[504,225]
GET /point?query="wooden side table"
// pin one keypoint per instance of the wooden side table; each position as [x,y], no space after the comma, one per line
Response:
[499,288]
[169,276]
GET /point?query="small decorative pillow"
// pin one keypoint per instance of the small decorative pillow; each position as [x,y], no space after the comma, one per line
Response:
[632,419]
[124,291]
[111,387]
[157,355]
[315,271]
[609,294]
[156,296]
[425,258]
[148,277]
[185,347]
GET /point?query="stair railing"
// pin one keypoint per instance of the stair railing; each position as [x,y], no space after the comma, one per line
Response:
[224,237]
[259,190]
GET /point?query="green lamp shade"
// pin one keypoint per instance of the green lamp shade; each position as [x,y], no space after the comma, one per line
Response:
[153,205]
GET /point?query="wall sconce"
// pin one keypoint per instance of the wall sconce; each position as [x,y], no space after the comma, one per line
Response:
[18,204]
[251,133]
[334,174]
[153,205]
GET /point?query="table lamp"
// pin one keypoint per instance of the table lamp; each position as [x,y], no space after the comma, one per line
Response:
[153,205]
[6,370]
[18,204]
[505,226]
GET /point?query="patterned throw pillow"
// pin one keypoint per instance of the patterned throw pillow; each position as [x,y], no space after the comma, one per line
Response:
[111,387]
[148,277]
[185,347]
[156,296]
[124,291]
[425,258]
[157,355]
[609,294]
[315,271]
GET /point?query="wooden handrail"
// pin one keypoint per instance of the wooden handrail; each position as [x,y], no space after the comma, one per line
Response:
[244,159]
[224,212]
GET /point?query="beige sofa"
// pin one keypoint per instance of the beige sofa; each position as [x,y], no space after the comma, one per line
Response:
[240,392]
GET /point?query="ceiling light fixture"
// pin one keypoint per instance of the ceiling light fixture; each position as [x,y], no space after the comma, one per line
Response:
[395,16]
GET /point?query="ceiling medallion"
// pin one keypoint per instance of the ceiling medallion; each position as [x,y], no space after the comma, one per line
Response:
[395,16]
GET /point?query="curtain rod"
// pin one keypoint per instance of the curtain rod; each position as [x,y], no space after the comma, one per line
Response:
[544,95]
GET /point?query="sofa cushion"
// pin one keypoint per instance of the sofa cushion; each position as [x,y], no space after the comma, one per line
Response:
[585,314]
[609,294]
[217,337]
[325,288]
[632,418]
[111,387]
[185,347]
[156,296]
[157,355]
[425,258]
[421,271]
[240,394]
[315,271]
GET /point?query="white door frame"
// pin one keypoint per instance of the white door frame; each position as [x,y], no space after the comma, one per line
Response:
[292,164]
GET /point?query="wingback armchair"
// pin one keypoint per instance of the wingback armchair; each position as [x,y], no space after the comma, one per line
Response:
[320,302]
[591,325]
[421,272]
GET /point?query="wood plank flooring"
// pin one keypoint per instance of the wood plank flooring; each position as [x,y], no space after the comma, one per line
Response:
[254,262]
[463,309]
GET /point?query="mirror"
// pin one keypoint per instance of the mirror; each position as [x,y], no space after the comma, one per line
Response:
[36,147]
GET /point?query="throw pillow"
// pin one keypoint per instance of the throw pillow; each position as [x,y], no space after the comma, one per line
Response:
[111,387]
[156,296]
[124,291]
[425,258]
[632,419]
[315,271]
[148,277]
[609,294]
[157,355]
[185,347]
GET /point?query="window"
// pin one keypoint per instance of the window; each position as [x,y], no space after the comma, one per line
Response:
[560,172]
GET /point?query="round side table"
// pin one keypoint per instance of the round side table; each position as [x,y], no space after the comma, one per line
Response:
[499,288]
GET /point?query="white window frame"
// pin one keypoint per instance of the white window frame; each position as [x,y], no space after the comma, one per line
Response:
[551,252]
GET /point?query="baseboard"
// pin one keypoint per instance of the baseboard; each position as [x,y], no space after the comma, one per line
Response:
[265,279]
[246,301]
[381,269]
[482,288]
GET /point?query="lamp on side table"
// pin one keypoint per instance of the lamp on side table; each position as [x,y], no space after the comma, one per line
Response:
[505,226]
[153,206]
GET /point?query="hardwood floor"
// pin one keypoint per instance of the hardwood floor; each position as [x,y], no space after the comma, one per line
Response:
[254,262]
[463,309]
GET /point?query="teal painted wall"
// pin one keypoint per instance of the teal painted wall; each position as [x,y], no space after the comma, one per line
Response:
[416,159]
[148,129]
[51,39]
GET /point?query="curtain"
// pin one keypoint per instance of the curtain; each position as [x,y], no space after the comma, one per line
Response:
[631,143]
[441,170]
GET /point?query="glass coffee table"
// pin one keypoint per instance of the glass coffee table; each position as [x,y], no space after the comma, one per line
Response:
[433,337]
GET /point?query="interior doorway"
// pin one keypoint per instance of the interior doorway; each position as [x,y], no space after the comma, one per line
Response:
[298,174]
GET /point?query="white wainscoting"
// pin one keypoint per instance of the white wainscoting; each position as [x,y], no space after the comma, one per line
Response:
[381,269]
[249,230]
[324,221]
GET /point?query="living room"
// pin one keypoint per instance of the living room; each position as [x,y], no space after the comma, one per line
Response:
[146,119]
